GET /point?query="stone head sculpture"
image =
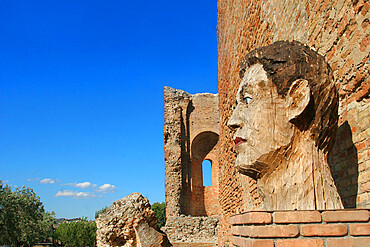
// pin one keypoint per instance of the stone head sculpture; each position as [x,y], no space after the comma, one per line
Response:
[285,122]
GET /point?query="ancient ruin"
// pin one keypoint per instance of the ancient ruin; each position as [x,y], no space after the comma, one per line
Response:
[190,137]
[129,222]
[285,123]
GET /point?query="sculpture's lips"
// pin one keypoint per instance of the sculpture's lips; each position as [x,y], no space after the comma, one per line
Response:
[238,141]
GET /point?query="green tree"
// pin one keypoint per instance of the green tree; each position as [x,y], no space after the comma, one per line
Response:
[160,212]
[97,213]
[77,233]
[23,220]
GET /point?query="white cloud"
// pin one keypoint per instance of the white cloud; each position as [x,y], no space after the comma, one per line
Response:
[6,181]
[74,194]
[83,185]
[48,181]
[105,188]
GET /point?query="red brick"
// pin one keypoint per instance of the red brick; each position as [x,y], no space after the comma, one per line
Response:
[257,218]
[360,146]
[300,243]
[324,230]
[348,242]
[287,231]
[235,220]
[297,217]
[240,241]
[346,216]
[240,230]
[262,242]
[359,229]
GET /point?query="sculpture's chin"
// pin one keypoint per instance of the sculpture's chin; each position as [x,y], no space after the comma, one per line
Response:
[253,169]
[249,171]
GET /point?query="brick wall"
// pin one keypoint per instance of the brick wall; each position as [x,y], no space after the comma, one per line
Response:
[340,31]
[190,136]
[302,228]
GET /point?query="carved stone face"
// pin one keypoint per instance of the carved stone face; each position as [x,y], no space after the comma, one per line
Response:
[263,130]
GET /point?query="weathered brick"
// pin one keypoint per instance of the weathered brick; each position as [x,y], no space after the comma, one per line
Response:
[256,218]
[359,229]
[236,220]
[297,217]
[261,242]
[347,242]
[365,187]
[299,242]
[286,231]
[346,216]
[364,197]
[240,230]
[324,230]
[242,242]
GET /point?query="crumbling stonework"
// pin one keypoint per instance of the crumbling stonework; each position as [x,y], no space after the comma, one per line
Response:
[187,229]
[339,31]
[190,136]
[129,222]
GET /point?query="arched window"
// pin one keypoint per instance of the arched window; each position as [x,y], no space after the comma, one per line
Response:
[207,173]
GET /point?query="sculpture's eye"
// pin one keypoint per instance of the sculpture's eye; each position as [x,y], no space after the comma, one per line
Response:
[247,100]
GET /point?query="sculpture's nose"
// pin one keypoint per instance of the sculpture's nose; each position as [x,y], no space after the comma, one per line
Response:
[234,121]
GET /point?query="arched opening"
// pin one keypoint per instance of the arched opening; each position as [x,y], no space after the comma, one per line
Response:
[204,170]
[207,172]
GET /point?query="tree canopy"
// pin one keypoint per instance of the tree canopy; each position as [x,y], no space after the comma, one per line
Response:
[160,212]
[77,233]
[97,213]
[23,220]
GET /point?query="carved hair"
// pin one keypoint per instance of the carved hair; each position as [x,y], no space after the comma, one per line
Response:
[286,62]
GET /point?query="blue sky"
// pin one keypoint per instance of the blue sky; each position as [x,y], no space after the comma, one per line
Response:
[81,94]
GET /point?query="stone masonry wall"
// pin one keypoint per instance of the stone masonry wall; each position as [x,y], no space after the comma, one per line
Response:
[186,229]
[191,136]
[340,31]
[175,105]
[331,228]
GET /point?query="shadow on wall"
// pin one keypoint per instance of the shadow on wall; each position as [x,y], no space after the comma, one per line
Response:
[185,196]
[343,163]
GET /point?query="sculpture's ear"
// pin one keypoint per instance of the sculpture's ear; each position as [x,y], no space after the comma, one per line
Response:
[297,98]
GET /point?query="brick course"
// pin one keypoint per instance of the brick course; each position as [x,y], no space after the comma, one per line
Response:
[293,231]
